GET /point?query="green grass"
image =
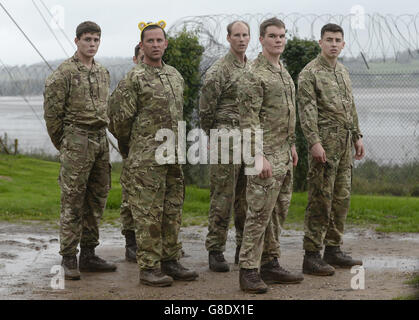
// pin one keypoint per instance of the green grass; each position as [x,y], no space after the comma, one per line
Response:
[29,191]
[392,180]
[414,282]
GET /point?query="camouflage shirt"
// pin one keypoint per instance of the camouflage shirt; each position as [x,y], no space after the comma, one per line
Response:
[267,101]
[218,101]
[76,95]
[325,99]
[146,100]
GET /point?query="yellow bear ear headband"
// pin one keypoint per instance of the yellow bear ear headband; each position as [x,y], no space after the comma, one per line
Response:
[143,25]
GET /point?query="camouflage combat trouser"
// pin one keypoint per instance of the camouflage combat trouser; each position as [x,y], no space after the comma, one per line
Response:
[268,201]
[85,182]
[227,189]
[156,195]
[329,191]
[125,211]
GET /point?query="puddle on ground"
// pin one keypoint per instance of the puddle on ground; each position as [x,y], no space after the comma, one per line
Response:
[18,255]
[391,263]
[26,257]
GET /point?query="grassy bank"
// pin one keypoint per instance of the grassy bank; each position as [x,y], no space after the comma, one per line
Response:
[413,283]
[29,191]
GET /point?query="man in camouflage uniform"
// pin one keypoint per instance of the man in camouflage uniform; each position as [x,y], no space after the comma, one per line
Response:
[267,101]
[330,125]
[218,110]
[75,103]
[148,99]
[128,227]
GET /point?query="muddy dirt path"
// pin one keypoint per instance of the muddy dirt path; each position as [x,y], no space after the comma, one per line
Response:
[28,252]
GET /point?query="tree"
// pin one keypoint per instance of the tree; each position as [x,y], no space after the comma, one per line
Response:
[185,53]
[297,54]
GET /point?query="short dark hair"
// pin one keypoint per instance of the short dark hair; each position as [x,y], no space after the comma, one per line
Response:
[331,27]
[270,22]
[230,26]
[87,27]
[137,50]
[150,27]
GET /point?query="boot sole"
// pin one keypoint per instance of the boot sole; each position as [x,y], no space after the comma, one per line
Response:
[152,284]
[183,279]
[227,269]
[254,290]
[281,282]
[322,274]
[97,270]
[221,271]
[344,266]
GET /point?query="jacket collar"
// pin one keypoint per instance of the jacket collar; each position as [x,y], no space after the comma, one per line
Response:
[322,60]
[231,58]
[81,66]
[152,69]
[261,59]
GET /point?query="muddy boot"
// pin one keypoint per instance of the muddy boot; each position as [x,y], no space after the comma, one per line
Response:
[92,263]
[130,246]
[315,265]
[217,262]
[272,272]
[335,257]
[250,281]
[174,269]
[237,255]
[155,278]
[71,272]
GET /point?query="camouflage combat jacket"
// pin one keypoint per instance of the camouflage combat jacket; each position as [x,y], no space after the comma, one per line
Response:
[325,100]
[146,100]
[75,95]
[267,101]
[218,100]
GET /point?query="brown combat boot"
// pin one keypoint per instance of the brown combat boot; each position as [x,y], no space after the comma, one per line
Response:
[130,246]
[178,272]
[313,264]
[251,282]
[89,262]
[155,278]
[272,272]
[71,272]
[335,257]
[217,262]
[237,255]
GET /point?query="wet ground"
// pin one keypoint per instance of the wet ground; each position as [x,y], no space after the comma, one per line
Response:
[29,252]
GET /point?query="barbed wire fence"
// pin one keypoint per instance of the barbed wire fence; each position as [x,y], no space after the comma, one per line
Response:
[381,53]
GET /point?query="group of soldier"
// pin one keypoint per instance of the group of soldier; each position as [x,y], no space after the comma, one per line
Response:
[236,94]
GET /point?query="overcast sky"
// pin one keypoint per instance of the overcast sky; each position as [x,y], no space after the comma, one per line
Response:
[119,19]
